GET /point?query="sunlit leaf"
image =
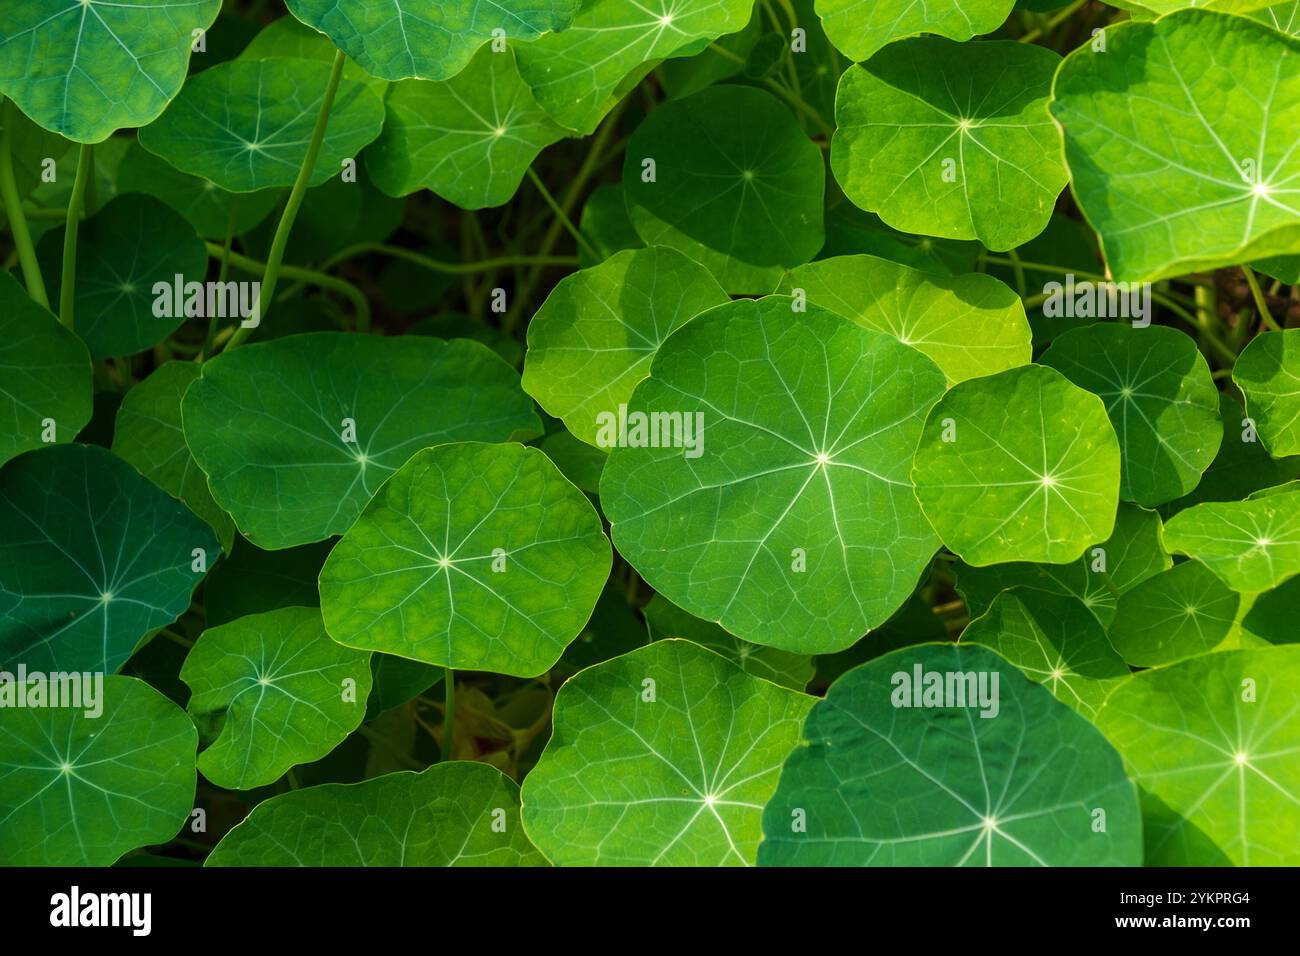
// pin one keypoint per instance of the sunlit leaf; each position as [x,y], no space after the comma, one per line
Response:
[1178,613]
[1253,545]
[1268,372]
[861,27]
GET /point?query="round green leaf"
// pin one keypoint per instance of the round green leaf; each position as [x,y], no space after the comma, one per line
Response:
[1242,466]
[1160,398]
[92,558]
[296,434]
[1212,744]
[997,774]
[429,39]
[472,556]
[952,139]
[1203,174]
[859,28]
[469,139]
[84,69]
[1272,616]
[272,691]
[1253,545]
[80,786]
[737,185]
[245,124]
[1018,466]
[577,74]
[148,435]
[1056,641]
[790,518]
[449,815]
[1268,373]
[595,335]
[970,325]
[661,757]
[1179,613]
[125,251]
[45,376]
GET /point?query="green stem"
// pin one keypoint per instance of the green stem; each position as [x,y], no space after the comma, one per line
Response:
[210,338]
[14,209]
[449,715]
[281,240]
[1051,24]
[354,295]
[449,268]
[68,283]
[1110,585]
[1261,303]
[565,221]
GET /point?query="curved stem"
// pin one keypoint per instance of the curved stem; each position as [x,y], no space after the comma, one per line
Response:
[68,281]
[13,207]
[450,268]
[281,239]
[344,288]
[449,715]
[565,221]
[1261,303]
[208,341]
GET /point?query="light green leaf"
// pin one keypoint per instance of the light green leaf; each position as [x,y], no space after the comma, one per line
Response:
[664,619]
[664,756]
[269,423]
[595,335]
[148,435]
[46,378]
[271,691]
[1211,742]
[472,556]
[1242,465]
[1253,545]
[952,139]
[719,61]
[290,37]
[448,815]
[737,185]
[80,786]
[1132,554]
[576,74]
[92,558]
[245,124]
[1147,9]
[84,69]
[469,139]
[1268,373]
[125,249]
[429,39]
[792,523]
[1203,175]
[859,28]
[1178,613]
[1283,17]
[883,780]
[1018,466]
[1160,398]
[1056,641]
[970,325]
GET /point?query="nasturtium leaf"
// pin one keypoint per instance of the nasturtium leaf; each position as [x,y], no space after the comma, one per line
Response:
[1018,466]
[271,691]
[395,680]
[45,375]
[1056,641]
[720,60]
[952,139]
[853,231]
[92,558]
[970,325]
[919,758]
[606,225]
[296,434]
[594,337]
[211,210]
[1268,373]
[1176,614]
[30,146]
[429,39]
[1203,174]
[859,28]
[472,556]
[126,249]
[577,73]
[614,629]
[1132,554]
[246,124]
[84,69]
[1272,617]
[290,37]
[148,435]
[1160,397]
[666,620]
[1253,545]
[789,516]
[736,185]
[449,815]
[1243,465]
[1212,743]
[81,785]
[581,463]
[1147,9]
[469,139]
[664,756]
[1283,17]
[820,66]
